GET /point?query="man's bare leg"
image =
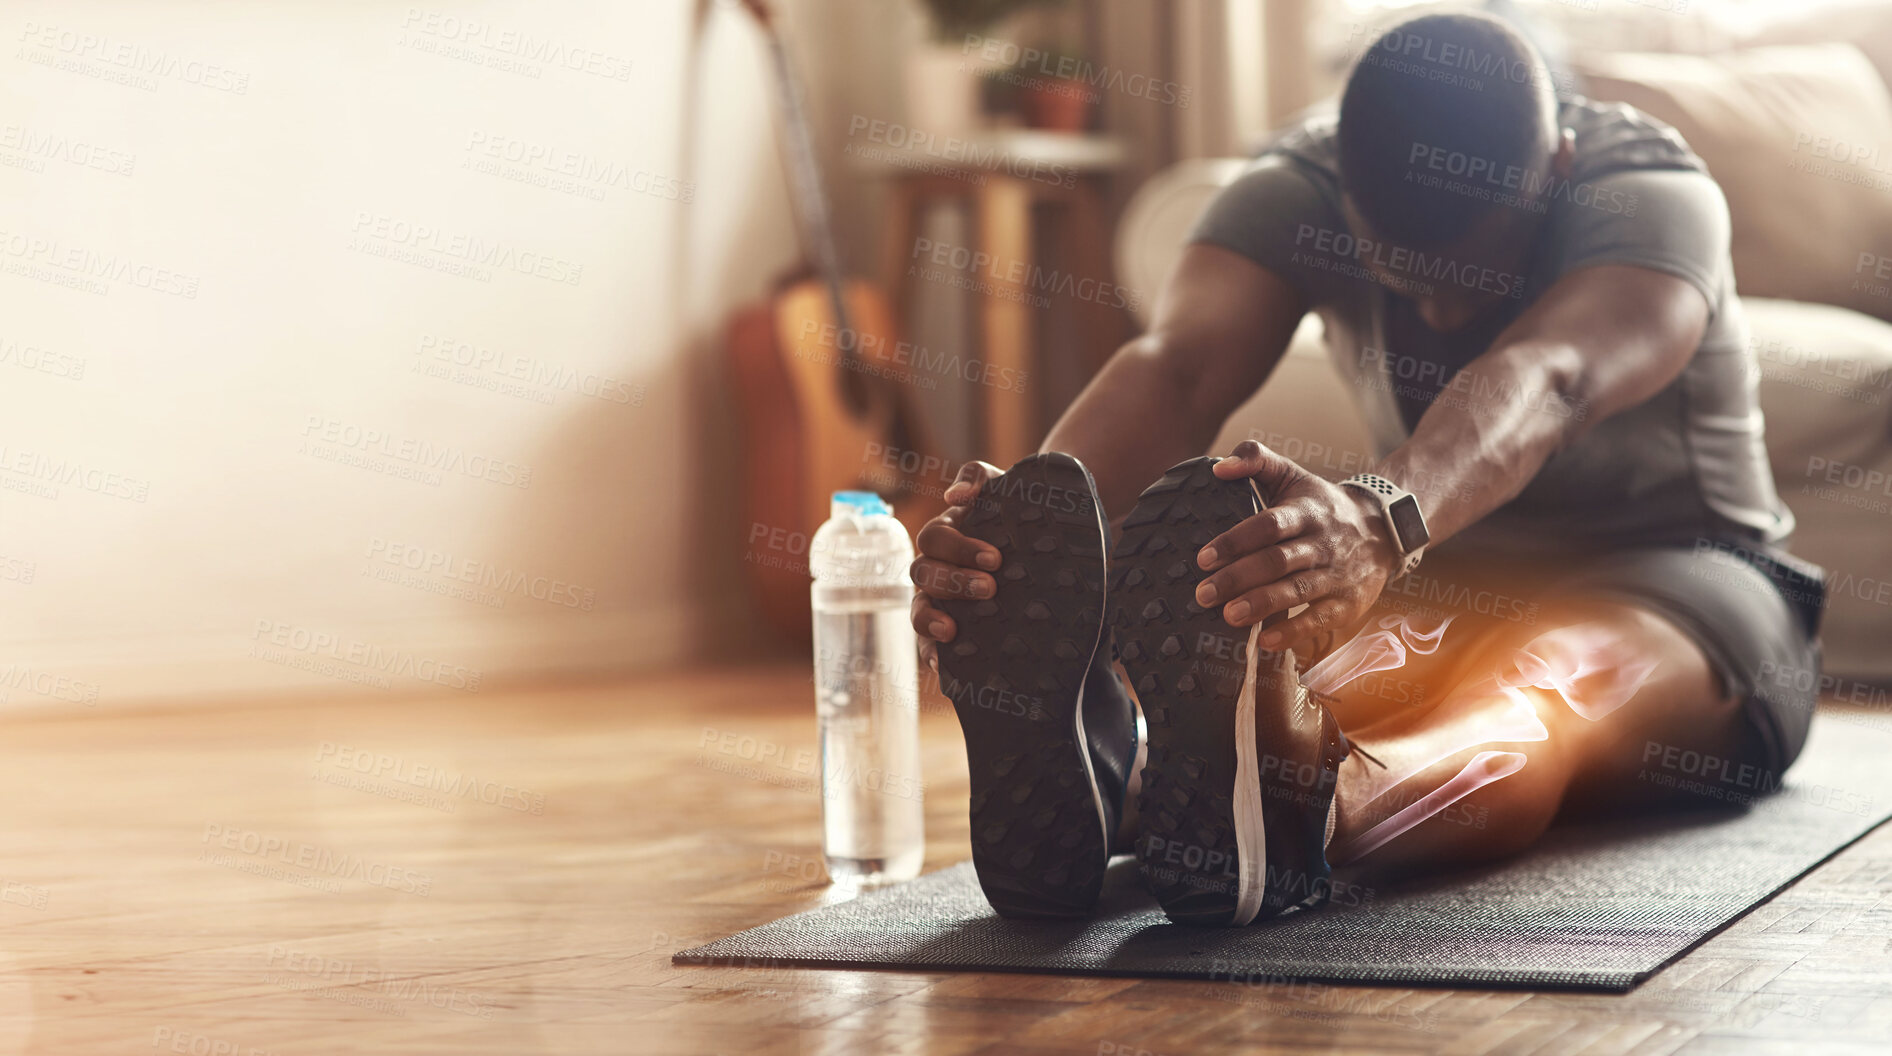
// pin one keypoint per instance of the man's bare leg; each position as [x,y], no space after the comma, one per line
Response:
[1559,710]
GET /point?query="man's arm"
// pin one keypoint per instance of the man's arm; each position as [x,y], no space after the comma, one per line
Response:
[1599,341]
[1220,327]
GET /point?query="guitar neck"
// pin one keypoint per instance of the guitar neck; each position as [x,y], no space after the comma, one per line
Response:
[811,201]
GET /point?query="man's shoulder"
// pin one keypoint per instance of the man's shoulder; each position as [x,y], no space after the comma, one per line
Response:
[1617,137]
[1310,143]
[1637,195]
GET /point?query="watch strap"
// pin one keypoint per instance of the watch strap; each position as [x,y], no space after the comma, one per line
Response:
[1385,492]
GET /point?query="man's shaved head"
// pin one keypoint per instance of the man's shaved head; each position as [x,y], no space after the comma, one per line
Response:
[1440,99]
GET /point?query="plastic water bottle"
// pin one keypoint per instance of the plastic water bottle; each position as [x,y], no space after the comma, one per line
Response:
[867,693]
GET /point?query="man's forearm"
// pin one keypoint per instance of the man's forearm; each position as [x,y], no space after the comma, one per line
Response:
[1602,340]
[1487,434]
[1133,421]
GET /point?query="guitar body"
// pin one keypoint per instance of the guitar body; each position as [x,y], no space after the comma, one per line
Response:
[803,438]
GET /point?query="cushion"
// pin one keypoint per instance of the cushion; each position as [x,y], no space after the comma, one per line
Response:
[1800,139]
[1866,24]
[1826,389]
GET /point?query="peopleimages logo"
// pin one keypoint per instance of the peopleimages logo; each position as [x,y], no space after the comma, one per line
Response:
[1459,597]
[1514,185]
[34,148]
[902,361]
[317,859]
[1845,152]
[89,269]
[328,646]
[487,574]
[983,155]
[380,235]
[1846,474]
[332,436]
[49,684]
[514,373]
[1403,262]
[17,570]
[343,981]
[969,268]
[1036,493]
[39,468]
[563,169]
[1455,386]
[994,699]
[134,61]
[1060,67]
[41,360]
[485,42]
[1452,62]
[451,784]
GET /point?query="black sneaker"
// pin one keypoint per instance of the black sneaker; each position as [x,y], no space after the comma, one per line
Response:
[1048,743]
[1238,786]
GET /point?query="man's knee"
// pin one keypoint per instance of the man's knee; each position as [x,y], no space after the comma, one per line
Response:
[1589,661]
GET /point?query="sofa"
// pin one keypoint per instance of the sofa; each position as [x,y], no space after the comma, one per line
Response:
[1800,137]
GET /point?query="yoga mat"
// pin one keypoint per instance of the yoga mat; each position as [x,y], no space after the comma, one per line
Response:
[1591,907]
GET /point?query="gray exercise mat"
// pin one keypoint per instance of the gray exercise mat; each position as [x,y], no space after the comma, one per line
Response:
[1591,907]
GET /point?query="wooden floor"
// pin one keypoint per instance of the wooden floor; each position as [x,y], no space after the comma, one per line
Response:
[298,878]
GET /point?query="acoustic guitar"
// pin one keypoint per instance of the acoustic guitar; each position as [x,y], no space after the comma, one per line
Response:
[813,369]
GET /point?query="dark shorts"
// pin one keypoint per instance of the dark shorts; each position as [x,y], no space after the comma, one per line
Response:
[1753,609]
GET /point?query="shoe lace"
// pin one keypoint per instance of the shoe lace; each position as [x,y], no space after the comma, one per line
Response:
[1353,749]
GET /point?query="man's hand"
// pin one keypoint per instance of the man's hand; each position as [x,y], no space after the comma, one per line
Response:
[951,564]
[1317,544]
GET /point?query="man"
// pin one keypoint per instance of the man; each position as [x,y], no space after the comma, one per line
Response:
[1563,573]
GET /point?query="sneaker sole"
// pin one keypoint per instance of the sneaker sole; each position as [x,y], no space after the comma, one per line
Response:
[1015,674]
[1201,842]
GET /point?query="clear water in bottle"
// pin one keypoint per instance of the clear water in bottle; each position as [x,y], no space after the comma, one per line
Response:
[867,694]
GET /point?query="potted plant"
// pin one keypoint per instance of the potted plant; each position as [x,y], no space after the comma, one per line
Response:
[1054,94]
[943,75]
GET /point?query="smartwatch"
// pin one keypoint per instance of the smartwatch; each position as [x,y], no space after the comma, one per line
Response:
[1403,519]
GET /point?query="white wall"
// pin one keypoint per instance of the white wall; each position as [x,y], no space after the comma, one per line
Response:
[173,495]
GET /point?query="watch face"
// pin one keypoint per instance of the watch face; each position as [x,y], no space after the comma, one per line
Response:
[1409,523]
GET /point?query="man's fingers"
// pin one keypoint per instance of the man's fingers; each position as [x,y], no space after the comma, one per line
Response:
[949,562]
[1259,569]
[971,481]
[1263,529]
[943,542]
[1272,471]
[1319,618]
[1299,588]
[929,623]
[938,579]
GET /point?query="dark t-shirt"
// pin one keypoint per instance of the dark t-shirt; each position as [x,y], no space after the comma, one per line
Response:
[1686,464]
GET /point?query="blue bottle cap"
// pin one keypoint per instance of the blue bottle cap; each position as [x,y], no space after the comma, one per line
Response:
[866,503]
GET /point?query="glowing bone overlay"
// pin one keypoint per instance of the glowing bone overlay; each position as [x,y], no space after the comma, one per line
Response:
[1485,768]
[1372,651]
[1593,667]
[1484,712]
